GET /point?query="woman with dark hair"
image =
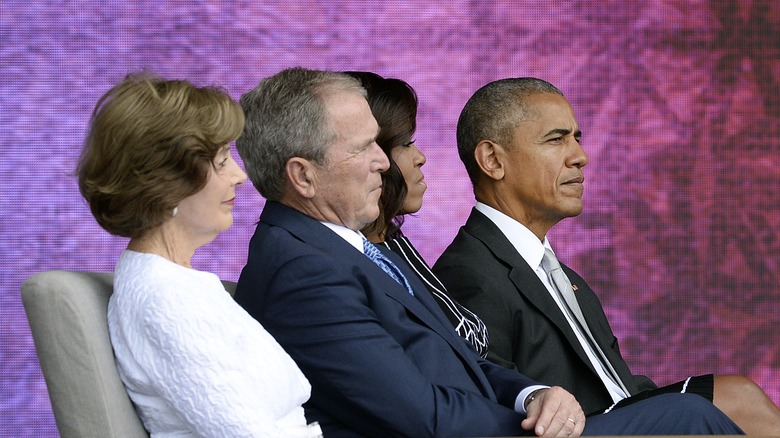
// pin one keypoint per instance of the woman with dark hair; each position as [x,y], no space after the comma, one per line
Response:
[156,167]
[393,103]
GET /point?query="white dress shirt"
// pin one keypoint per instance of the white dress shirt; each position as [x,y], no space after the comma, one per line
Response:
[532,251]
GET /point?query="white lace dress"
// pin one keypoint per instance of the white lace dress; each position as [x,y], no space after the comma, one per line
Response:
[194,362]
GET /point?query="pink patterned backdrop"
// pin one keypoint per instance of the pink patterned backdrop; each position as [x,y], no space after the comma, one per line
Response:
[678,101]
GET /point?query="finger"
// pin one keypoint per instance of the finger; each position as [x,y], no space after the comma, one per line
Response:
[570,427]
[530,420]
[550,420]
[560,426]
[575,423]
[532,416]
[580,427]
[560,414]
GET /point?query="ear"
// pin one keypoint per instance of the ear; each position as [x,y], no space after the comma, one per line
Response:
[301,175]
[488,156]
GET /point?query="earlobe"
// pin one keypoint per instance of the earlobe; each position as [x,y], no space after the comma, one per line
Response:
[488,156]
[301,175]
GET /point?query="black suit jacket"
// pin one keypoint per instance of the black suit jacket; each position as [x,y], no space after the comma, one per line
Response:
[381,362]
[483,271]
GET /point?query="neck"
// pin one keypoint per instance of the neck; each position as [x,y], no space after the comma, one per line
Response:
[497,201]
[317,211]
[164,244]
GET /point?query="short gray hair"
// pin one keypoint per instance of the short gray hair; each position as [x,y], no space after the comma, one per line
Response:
[492,113]
[286,117]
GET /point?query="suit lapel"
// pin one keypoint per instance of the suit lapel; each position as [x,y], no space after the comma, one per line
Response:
[431,314]
[523,277]
[423,297]
[422,305]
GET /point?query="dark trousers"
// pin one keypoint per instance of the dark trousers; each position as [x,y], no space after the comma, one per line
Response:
[664,414]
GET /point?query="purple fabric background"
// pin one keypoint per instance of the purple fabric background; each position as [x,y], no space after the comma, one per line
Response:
[678,101]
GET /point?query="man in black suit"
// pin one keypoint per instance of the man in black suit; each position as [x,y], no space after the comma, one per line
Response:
[381,357]
[520,143]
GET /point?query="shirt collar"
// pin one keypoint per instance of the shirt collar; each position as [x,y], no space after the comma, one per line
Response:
[522,239]
[354,238]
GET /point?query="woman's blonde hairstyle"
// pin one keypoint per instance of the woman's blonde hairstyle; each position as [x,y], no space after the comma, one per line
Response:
[151,143]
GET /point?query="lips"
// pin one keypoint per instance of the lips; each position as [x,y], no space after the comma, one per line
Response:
[577,180]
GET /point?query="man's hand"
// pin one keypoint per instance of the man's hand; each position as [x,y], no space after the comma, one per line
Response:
[554,412]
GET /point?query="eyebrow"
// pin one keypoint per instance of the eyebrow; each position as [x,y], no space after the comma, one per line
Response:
[562,131]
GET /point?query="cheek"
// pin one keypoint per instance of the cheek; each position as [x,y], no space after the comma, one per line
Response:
[397,153]
[403,160]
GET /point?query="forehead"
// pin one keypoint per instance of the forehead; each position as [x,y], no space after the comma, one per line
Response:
[547,111]
[350,115]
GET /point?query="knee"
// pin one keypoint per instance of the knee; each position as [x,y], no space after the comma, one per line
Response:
[692,405]
[736,388]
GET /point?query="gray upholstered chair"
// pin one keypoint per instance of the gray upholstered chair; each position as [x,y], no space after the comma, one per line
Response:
[67,314]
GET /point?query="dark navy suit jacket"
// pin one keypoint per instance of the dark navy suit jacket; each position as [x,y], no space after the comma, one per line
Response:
[381,362]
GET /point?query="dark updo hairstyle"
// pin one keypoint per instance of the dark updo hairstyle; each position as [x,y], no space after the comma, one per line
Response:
[151,143]
[393,103]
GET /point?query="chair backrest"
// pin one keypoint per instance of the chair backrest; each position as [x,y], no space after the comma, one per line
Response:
[67,314]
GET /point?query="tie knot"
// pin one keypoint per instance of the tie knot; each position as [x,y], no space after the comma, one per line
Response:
[369,249]
[549,262]
[373,253]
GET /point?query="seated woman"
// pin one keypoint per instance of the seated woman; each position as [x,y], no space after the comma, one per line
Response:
[394,105]
[156,167]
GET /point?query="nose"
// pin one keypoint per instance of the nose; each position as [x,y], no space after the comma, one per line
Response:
[239,176]
[381,162]
[419,157]
[579,157]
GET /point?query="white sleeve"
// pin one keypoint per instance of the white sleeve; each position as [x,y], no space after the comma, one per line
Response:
[215,365]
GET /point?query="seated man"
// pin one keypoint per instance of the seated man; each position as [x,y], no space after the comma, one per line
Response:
[519,141]
[382,358]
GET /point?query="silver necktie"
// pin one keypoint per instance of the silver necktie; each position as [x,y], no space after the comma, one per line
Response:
[562,286]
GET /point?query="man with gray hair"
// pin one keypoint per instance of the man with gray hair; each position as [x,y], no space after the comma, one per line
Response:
[382,358]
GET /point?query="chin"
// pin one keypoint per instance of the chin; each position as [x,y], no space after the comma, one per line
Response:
[574,211]
[226,225]
[369,216]
[411,209]
[412,204]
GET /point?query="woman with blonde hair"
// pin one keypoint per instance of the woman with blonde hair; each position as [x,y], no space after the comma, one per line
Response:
[156,167]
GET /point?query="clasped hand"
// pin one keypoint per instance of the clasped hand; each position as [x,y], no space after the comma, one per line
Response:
[554,412]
